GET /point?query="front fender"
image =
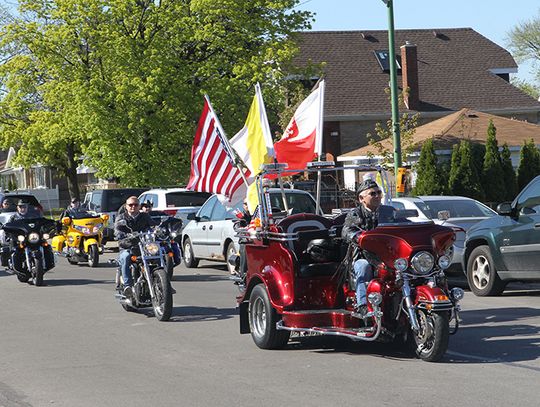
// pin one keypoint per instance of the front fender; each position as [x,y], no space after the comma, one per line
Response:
[88,242]
[432,298]
[58,243]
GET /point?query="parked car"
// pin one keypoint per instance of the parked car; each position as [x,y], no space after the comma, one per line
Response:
[451,211]
[506,247]
[108,201]
[210,234]
[31,200]
[177,202]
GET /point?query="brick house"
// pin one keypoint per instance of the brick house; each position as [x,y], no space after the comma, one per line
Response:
[444,70]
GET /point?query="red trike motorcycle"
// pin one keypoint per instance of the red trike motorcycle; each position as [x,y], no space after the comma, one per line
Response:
[297,281]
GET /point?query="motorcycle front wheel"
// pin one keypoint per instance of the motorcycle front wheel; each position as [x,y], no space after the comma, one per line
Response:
[431,341]
[169,266]
[162,301]
[38,273]
[93,255]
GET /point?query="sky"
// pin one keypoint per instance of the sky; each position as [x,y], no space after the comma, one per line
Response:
[494,19]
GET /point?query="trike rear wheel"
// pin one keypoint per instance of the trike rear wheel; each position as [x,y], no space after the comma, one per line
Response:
[262,321]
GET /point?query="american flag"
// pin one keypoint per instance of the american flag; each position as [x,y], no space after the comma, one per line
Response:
[212,159]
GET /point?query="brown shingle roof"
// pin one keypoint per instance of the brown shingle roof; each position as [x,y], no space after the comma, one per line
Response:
[465,124]
[453,71]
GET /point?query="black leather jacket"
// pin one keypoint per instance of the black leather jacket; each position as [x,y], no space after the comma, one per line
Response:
[138,223]
[362,219]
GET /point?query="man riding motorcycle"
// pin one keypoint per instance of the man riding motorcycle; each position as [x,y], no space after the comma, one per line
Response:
[364,217]
[132,220]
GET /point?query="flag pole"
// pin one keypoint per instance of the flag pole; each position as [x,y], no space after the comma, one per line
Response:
[230,152]
[319,140]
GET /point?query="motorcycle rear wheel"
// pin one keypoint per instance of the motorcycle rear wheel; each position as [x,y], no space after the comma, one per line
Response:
[23,278]
[162,301]
[93,256]
[432,341]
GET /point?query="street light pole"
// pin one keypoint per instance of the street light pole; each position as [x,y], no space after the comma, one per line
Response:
[393,89]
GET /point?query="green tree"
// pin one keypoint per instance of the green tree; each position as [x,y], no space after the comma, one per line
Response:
[429,180]
[121,82]
[524,42]
[407,127]
[492,172]
[466,181]
[509,175]
[454,168]
[529,164]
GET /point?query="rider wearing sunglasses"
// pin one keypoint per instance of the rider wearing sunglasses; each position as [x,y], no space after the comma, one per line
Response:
[132,220]
[364,217]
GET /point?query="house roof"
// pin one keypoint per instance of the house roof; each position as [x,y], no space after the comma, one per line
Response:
[464,124]
[454,70]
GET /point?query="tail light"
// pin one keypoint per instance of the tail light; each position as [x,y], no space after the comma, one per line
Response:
[170,212]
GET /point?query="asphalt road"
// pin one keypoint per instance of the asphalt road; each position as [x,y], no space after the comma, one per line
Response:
[70,343]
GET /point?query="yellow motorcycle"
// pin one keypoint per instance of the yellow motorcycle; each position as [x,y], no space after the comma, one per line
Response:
[80,239]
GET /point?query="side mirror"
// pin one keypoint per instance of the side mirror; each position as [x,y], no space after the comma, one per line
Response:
[504,209]
[66,221]
[443,215]
[193,216]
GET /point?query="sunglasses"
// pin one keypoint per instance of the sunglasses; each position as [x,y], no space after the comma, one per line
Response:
[132,204]
[375,193]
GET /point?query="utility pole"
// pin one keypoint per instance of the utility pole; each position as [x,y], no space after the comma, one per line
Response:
[393,89]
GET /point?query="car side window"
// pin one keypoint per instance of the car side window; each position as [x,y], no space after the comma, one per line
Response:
[152,198]
[398,205]
[530,198]
[205,212]
[219,212]
[95,202]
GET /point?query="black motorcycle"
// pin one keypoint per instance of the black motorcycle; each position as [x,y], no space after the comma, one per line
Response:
[168,234]
[152,287]
[30,255]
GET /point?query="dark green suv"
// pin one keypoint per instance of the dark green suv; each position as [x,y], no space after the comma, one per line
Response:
[505,248]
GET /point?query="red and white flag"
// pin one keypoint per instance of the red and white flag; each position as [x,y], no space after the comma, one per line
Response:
[212,158]
[302,139]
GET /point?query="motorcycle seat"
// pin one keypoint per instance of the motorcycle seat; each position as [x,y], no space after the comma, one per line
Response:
[318,269]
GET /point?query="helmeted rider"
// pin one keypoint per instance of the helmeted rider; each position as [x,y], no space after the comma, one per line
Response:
[23,212]
[132,220]
[363,218]
[73,209]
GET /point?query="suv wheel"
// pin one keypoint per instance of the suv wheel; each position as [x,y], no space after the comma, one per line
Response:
[481,274]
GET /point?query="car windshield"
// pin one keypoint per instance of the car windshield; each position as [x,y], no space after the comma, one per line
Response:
[186,198]
[458,208]
[297,203]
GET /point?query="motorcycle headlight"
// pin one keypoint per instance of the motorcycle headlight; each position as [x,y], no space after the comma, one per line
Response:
[422,262]
[20,238]
[152,248]
[174,234]
[33,237]
[46,236]
[444,262]
[401,264]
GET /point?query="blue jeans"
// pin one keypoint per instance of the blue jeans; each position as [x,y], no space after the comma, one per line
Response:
[124,258]
[363,273]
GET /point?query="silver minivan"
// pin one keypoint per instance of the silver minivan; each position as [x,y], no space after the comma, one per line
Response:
[210,234]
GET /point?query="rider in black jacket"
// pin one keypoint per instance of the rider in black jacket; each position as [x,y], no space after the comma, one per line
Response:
[365,216]
[132,220]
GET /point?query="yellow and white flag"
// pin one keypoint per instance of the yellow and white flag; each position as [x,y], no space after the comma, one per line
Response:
[254,144]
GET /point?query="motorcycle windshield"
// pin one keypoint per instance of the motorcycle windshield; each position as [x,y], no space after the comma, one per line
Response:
[26,226]
[390,242]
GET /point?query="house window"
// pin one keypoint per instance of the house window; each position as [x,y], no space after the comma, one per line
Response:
[383,58]
[39,177]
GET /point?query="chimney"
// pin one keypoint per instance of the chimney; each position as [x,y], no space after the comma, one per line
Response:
[409,73]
